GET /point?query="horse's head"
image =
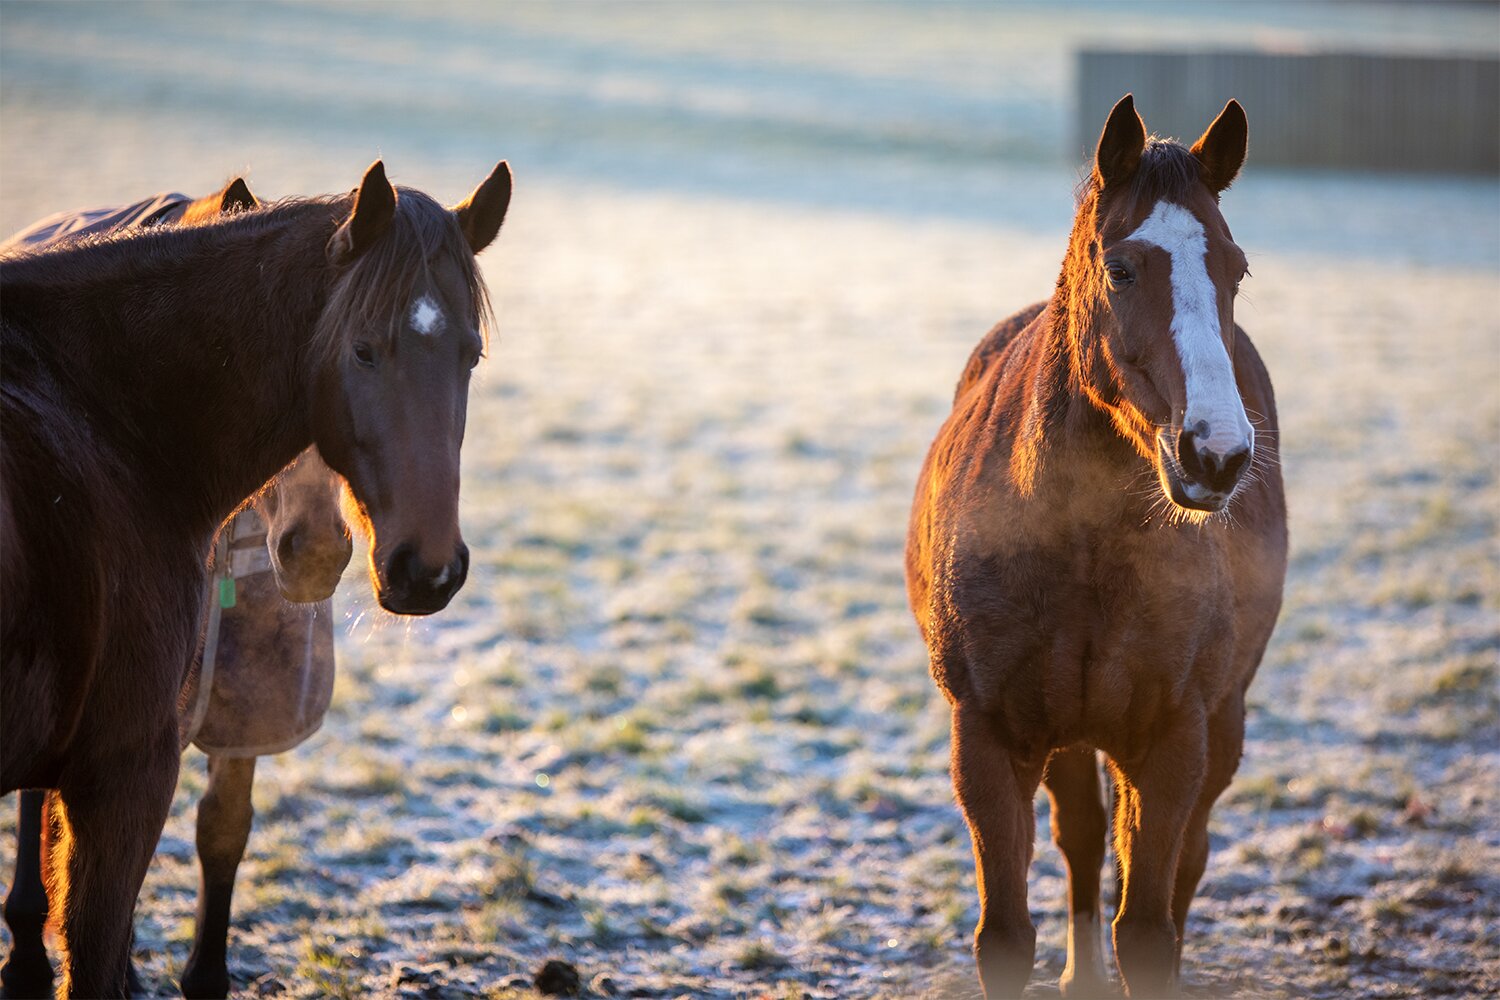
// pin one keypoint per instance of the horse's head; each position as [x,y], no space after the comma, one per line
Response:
[1160,272]
[305,531]
[401,332]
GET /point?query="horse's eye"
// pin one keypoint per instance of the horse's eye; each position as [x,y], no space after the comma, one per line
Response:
[1119,274]
[363,356]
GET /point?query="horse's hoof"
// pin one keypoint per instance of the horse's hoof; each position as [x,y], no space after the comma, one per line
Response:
[1088,986]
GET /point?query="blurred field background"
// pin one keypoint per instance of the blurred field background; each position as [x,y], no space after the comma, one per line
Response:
[677,729]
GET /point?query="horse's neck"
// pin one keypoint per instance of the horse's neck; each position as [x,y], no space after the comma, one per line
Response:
[1061,422]
[200,351]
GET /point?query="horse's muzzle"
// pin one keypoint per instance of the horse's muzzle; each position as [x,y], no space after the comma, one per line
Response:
[309,563]
[1197,478]
[409,587]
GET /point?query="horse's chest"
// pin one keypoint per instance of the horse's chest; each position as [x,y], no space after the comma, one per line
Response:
[1070,635]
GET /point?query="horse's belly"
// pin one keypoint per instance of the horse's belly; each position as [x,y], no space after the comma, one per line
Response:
[1100,660]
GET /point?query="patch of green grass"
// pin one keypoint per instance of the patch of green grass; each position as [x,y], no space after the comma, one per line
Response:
[740,852]
[1310,852]
[376,845]
[600,928]
[329,972]
[371,779]
[760,956]
[512,875]
[627,736]
[1455,870]
[500,720]
[729,891]
[1472,677]
[607,680]
[677,806]
[758,682]
[1364,823]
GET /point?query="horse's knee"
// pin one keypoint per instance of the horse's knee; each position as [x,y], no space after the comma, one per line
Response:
[1005,953]
[1146,951]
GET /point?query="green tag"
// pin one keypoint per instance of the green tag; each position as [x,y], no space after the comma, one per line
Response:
[226,593]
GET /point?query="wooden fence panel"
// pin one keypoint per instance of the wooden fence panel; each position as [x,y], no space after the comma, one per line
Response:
[1347,110]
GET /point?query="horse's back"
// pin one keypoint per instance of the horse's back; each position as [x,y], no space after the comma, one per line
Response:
[966,437]
[993,345]
[94,221]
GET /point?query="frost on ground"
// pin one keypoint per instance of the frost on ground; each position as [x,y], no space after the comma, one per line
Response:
[677,729]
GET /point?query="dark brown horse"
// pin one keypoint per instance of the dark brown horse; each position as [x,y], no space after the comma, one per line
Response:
[151,382]
[261,683]
[291,545]
[1096,556]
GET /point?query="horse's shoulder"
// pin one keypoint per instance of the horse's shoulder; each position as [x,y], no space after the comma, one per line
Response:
[993,345]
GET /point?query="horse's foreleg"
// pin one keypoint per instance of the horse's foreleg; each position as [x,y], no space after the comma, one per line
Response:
[27,972]
[994,789]
[224,818]
[1226,737]
[109,825]
[1155,797]
[1079,828]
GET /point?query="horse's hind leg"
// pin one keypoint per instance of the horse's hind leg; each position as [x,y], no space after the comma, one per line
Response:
[1226,736]
[1079,828]
[109,825]
[27,972]
[224,818]
[1156,796]
[995,790]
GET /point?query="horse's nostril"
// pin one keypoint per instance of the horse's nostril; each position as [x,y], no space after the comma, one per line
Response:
[1220,473]
[1187,454]
[1235,463]
[400,565]
[286,548]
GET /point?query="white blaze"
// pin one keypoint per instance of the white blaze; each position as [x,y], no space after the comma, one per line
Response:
[1212,396]
[426,317]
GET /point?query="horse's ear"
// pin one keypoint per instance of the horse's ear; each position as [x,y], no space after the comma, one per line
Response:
[481,213]
[374,208]
[236,197]
[1120,144]
[1221,149]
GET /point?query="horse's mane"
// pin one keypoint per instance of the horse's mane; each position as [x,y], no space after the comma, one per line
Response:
[369,296]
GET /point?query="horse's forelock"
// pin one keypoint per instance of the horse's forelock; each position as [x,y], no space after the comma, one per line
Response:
[372,295]
[1168,170]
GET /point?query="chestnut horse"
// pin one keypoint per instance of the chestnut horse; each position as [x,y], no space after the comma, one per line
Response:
[1096,555]
[152,381]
